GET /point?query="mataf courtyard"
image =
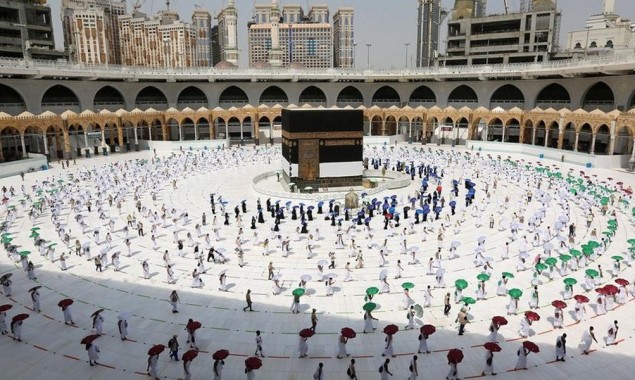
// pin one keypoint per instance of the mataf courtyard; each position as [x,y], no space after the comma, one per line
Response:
[500,235]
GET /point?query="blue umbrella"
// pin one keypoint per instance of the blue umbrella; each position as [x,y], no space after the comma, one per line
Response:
[385,206]
[374,201]
[391,210]
[367,220]
[452,203]
[301,204]
[364,194]
[278,201]
[413,199]
[355,220]
[438,209]
[455,182]
[426,211]
[419,211]
[288,203]
[393,197]
[320,203]
[310,208]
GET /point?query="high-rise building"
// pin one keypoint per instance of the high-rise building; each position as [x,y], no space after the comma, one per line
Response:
[164,41]
[216,49]
[27,31]
[530,36]
[91,30]
[428,26]
[605,31]
[202,23]
[291,37]
[228,33]
[343,38]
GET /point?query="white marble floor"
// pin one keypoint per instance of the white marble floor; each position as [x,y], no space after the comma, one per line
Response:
[52,350]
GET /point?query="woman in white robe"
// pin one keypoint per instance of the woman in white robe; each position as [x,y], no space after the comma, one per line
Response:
[489,364]
[423,344]
[388,350]
[522,353]
[493,332]
[600,308]
[341,346]
[501,290]
[525,329]
[93,354]
[512,307]
[558,318]
[368,322]
[303,347]
[329,287]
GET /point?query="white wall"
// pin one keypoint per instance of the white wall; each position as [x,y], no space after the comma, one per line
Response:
[577,158]
[35,162]
[177,145]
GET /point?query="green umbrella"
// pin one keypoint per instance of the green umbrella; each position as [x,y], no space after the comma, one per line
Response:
[299,292]
[515,293]
[7,240]
[604,201]
[617,258]
[593,244]
[575,252]
[631,241]
[460,284]
[612,228]
[12,207]
[35,228]
[541,267]
[369,306]
[52,245]
[565,258]
[468,300]
[608,233]
[25,253]
[551,261]
[588,251]
[570,281]
[591,272]
[612,222]
[483,277]
[372,291]
[508,275]
[408,285]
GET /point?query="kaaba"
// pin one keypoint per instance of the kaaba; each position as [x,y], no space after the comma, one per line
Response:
[322,148]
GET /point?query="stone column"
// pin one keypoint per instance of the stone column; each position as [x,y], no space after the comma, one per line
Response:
[592,151]
[212,135]
[546,136]
[180,132]
[612,139]
[383,127]
[424,126]
[577,138]
[533,135]
[1,154]
[24,154]
[46,144]
[631,161]
[136,139]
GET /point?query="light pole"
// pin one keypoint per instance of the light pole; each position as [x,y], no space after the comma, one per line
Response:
[407,45]
[368,56]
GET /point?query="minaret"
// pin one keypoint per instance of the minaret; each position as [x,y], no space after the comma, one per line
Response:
[608,7]
[231,19]
[275,56]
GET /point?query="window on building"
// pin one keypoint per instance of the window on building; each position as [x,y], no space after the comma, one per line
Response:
[593,44]
[609,44]
[578,46]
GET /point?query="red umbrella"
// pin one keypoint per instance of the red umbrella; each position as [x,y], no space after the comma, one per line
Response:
[428,329]
[307,333]
[455,356]
[491,346]
[501,321]
[391,329]
[95,313]
[559,304]
[89,338]
[600,290]
[581,298]
[5,307]
[65,302]
[194,325]
[253,362]
[531,346]
[532,316]
[348,332]
[220,355]
[611,290]
[621,282]
[156,350]
[20,317]
[189,355]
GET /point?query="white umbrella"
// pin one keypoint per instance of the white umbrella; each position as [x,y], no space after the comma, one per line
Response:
[455,244]
[276,277]
[481,239]
[104,250]
[383,274]
[548,246]
[124,315]
[414,249]
[479,250]
[305,278]
[440,272]
[323,263]
[330,275]
[222,272]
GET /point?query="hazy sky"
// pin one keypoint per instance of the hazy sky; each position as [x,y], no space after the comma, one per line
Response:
[386,24]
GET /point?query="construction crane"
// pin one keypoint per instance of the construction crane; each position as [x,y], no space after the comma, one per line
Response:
[137,5]
[506,7]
